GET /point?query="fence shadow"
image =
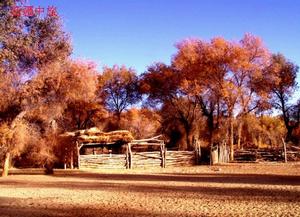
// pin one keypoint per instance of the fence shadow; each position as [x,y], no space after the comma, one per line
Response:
[259,179]
[167,185]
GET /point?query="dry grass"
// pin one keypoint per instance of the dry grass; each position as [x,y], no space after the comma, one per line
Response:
[95,135]
[228,190]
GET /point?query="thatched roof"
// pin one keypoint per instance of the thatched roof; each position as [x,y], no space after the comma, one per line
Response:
[95,135]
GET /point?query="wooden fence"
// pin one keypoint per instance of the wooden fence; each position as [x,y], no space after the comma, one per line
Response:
[177,158]
[180,158]
[138,160]
[102,161]
[146,159]
[254,155]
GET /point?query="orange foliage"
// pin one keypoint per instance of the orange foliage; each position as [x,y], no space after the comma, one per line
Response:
[142,123]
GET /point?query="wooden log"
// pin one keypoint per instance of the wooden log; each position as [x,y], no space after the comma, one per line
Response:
[162,155]
[165,155]
[127,157]
[145,143]
[147,156]
[72,159]
[155,138]
[65,158]
[295,148]
[78,154]
[180,152]
[199,152]
[196,153]
[130,155]
[284,150]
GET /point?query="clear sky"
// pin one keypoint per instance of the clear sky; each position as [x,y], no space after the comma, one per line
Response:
[137,33]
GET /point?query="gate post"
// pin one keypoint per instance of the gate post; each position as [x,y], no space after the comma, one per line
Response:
[129,156]
[163,155]
[78,154]
[197,150]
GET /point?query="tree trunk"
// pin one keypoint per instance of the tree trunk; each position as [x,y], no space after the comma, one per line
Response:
[188,137]
[188,141]
[6,165]
[231,139]
[240,126]
[259,141]
[118,120]
[210,123]
[72,159]
[289,133]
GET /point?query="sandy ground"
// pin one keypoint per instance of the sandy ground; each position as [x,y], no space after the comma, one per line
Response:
[227,190]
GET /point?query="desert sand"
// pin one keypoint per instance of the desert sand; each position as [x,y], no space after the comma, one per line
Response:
[225,190]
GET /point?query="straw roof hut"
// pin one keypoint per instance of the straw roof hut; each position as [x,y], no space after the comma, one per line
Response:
[95,135]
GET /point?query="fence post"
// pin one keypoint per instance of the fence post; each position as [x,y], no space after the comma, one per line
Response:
[284,150]
[78,154]
[199,152]
[65,158]
[72,158]
[197,147]
[162,154]
[165,156]
[129,155]
[196,154]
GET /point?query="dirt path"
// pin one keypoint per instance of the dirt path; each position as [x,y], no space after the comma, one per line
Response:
[233,190]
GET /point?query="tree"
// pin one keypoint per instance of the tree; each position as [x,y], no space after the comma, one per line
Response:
[26,46]
[250,57]
[296,122]
[14,137]
[182,113]
[204,65]
[80,115]
[161,84]
[262,131]
[281,79]
[64,87]
[63,98]
[219,75]
[118,88]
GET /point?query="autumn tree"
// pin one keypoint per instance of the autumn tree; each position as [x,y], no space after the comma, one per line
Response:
[181,115]
[26,45]
[262,131]
[161,85]
[295,111]
[219,75]
[204,66]
[81,115]
[118,88]
[82,108]
[250,57]
[63,98]
[281,80]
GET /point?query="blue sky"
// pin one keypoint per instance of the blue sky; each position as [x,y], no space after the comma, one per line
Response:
[137,33]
